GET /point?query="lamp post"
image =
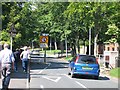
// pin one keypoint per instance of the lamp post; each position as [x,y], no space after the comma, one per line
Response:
[90,41]
[12,34]
[89,35]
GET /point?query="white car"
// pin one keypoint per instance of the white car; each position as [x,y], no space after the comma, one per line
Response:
[36,52]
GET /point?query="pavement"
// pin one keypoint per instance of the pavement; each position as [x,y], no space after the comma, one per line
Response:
[20,80]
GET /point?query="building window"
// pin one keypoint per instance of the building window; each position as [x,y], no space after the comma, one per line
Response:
[113,49]
[107,58]
[108,48]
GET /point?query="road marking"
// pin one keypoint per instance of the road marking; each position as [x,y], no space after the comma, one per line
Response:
[81,85]
[77,82]
[52,78]
[41,86]
[67,76]
[45,68]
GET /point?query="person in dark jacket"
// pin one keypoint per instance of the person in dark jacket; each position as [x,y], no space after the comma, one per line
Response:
[17,59]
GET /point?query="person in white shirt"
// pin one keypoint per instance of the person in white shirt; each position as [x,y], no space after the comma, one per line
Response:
[24,57]
[7,63]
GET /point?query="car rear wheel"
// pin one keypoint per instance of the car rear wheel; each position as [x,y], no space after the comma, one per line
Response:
[96,77]
[69,73]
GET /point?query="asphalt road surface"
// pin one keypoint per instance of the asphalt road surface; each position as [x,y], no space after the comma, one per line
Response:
[54,74]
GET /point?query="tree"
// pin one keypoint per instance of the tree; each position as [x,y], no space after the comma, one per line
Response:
[10,16]
[63,21]
[114,26]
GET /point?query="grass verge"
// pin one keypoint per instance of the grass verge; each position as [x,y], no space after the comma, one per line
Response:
[51,51]
[115,72]
[68,58]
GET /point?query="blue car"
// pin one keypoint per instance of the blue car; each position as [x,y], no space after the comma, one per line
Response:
[84,65]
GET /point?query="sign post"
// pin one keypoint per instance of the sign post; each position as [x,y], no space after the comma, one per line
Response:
[44,44]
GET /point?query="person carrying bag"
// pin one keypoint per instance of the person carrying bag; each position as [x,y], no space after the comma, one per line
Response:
[7,63]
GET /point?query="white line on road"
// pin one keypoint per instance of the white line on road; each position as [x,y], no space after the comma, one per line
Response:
[41,86]
[81,85]
[77,82]
[27,81]
[52,78]
[67,76]
[45,68]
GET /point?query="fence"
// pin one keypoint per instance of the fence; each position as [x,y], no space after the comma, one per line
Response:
[117,61]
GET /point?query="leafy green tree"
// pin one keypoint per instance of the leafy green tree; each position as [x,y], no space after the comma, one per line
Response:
[113,30]
[63,21]
[10,16]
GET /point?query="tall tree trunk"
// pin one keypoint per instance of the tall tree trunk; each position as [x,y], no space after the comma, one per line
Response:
[87,52]
[50,43]
[118,61]
[84,47]
[78,46]
[66,46]
[119,50]
[95,44]
[62,47]
[55,43]
[74,49]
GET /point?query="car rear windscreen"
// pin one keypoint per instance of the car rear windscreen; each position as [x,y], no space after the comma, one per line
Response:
[87,60]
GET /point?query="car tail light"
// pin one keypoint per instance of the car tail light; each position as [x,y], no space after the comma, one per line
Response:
[76,59]
[96,60]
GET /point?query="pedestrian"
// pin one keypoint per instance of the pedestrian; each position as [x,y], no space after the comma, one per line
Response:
[17,58]
[24,57]
[107,64]
[7,63]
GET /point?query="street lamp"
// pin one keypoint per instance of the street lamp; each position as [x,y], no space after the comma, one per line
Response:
[90,41]
[12,34]
[89,35]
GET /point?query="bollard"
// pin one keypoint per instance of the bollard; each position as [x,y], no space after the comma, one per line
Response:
[28,73]
[45,56]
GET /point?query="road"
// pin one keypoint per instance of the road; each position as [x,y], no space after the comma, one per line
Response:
[54,74]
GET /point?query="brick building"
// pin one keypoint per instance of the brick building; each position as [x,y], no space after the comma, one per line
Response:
[111,47]
[107,47]
[111,53]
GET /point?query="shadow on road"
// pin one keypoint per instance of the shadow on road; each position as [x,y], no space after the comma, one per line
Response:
[53,65]
[20,74]
[91,78]
[104,78]
[58,65]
